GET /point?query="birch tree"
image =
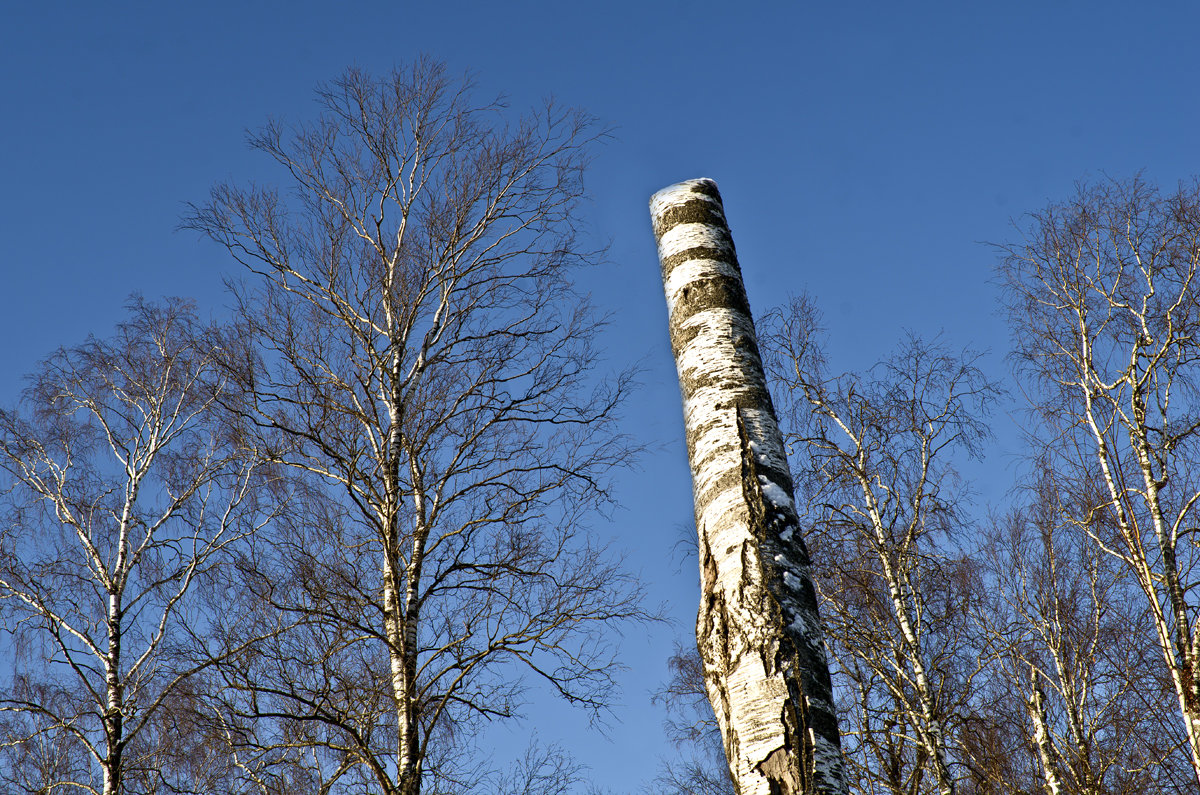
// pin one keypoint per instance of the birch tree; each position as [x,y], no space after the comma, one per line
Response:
[758,629]
[1075,652]
[876,453]
[411,343]
[1104,313]
[122,496]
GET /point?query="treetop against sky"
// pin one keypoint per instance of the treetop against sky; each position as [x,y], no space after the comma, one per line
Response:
[866,154]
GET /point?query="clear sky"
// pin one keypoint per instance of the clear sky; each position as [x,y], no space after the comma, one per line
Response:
[867,152]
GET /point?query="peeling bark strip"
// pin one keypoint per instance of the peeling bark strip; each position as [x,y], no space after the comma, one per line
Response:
[758,629]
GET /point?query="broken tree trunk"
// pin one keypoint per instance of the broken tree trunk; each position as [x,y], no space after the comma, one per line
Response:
[758,630]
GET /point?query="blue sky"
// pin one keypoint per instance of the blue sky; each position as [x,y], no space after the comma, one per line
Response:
[866,152]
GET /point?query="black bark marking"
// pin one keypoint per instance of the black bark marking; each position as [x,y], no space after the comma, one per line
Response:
[726,253]
[696,211]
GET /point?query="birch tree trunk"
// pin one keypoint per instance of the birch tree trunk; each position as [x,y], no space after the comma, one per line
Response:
[1041,735]
[758,630]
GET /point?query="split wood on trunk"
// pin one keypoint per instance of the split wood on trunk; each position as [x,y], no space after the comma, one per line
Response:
[758,630]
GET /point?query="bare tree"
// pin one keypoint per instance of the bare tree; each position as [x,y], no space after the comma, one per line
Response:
[876,454]
[1073,650]
[410,341]
[122,496]
[543,770]
[692,727]
[1104,313]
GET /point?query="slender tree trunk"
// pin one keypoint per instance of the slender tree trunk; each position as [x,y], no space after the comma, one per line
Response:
[758,629]
[113,713]
[1041,736]
[931,732]
[1173,635]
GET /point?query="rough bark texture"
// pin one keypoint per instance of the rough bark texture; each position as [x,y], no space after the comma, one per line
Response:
[758,630]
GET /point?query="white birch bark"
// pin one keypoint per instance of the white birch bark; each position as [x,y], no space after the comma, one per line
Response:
[903,665]
[1041,735]
[1168,605]
[758,630]
[928,722]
